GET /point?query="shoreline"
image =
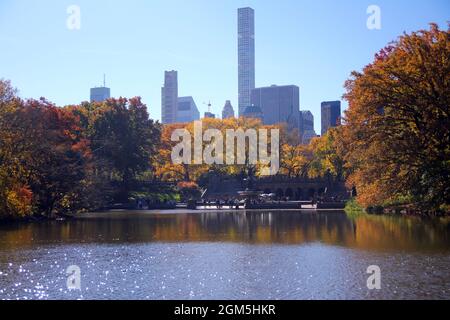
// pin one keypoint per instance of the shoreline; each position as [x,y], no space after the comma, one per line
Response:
[185,211]
[136,212]
[200,211]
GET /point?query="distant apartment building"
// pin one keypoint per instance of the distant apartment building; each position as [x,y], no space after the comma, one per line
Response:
[100,94]
[169,97]
[308,136]
[228,111]
[209,115]
[246,56]
[253,112]
[306,127]
[187,110]
[279,104]
[331,115]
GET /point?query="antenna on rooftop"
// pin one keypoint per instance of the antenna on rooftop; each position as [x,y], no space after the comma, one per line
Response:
[104,80]
[209,106]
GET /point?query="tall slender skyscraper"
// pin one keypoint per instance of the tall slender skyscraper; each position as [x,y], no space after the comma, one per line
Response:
[169,97]
[246,56]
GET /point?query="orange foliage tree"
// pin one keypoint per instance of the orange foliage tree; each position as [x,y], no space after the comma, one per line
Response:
[396,137]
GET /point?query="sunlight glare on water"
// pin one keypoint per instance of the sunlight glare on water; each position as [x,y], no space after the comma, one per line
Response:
[278,255]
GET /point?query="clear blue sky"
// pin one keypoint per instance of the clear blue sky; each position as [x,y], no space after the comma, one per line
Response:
[314,44]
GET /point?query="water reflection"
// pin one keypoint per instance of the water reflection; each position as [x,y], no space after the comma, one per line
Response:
[333,228]
[253,255]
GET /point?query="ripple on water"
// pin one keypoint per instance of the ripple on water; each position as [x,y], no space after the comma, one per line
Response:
[219,271]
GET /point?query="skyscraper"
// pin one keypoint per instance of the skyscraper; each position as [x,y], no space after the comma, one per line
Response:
[209,115]
[228,111]
[279,104]
[100,94]
[246,56]
[169,97]
[187,110]
[306,127]
[331,115]
[254,112]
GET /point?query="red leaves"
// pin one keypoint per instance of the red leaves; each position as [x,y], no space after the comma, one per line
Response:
[83,147]
[187,185]
[25,194]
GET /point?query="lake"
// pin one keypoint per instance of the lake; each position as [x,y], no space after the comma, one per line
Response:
[226,255]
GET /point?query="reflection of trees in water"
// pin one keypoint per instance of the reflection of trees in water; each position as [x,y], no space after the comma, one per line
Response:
[367,232]
[412,233]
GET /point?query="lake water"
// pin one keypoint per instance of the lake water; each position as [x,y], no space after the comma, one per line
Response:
[226,255]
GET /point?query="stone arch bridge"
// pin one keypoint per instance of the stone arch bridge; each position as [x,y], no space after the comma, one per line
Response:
[301,189]
[283,187]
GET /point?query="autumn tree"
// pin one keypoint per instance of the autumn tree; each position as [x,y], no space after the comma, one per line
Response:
[326,161]
[165,169]
[295,160]
[15,195]
[189,190]
[396,137]
[42,157]
[55,160]
[168,171]
[57,155]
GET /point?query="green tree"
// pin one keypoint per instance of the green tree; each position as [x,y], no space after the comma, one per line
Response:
[123,138]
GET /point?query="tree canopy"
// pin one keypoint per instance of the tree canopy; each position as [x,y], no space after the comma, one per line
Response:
[55,160]
[396,137]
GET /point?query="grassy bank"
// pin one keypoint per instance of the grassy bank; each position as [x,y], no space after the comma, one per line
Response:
[354,209]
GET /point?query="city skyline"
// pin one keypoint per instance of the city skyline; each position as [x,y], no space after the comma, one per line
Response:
[295,46]
[240,150]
